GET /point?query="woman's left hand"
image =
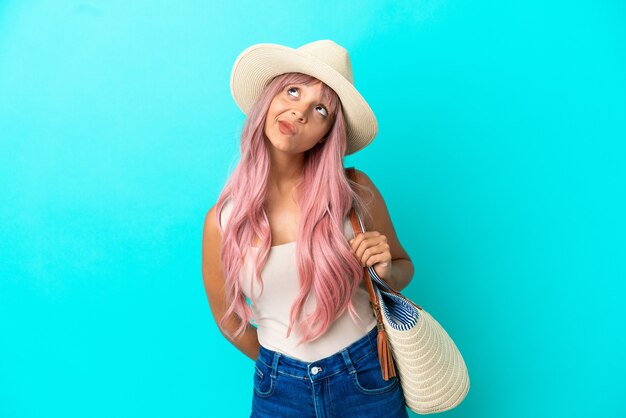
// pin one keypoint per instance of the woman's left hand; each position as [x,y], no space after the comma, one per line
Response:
[372,249]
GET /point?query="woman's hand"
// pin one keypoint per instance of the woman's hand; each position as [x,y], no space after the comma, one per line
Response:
[372,249]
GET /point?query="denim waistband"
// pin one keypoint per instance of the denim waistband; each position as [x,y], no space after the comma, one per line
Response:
[319,369]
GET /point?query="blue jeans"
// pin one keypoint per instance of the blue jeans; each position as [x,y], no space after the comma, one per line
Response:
[348,383]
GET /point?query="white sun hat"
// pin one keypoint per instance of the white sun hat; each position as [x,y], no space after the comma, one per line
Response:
[324,60]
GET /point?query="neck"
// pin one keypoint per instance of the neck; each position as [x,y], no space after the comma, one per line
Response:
[285,172]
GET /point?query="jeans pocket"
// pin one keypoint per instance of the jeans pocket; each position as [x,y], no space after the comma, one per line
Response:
[264,382]
[368,377]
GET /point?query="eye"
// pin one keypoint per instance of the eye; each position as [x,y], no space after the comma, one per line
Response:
[293,89]
[322,110]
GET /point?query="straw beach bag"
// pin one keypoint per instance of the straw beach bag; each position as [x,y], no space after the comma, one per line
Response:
[430,368]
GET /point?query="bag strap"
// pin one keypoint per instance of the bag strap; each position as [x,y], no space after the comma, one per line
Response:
[384,349]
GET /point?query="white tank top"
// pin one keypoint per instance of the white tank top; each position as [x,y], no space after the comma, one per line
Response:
[280,288]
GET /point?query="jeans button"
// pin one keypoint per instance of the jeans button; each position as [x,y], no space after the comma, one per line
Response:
[315,370]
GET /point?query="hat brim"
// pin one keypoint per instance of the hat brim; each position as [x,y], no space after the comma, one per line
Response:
[258,64]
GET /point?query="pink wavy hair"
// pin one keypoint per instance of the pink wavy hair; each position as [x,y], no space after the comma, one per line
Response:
[325,262]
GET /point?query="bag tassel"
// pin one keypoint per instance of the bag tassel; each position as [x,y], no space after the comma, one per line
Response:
[384,356]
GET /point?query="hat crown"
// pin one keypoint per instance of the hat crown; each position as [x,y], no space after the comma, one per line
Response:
[332,54]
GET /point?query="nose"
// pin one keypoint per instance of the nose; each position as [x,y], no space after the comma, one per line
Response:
[298,114]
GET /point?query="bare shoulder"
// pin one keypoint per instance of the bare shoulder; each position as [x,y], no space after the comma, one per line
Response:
[379,218]
[211,229]
[371,196]
[363,179]
[211,247]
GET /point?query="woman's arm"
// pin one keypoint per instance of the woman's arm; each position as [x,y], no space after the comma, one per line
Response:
[379,246]
[213,278]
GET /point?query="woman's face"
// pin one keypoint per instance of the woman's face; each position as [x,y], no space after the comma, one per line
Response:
[297,118]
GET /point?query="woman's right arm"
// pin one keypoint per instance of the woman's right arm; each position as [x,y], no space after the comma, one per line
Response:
[213,278]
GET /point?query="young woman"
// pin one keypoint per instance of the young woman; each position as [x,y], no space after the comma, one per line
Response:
[280,237]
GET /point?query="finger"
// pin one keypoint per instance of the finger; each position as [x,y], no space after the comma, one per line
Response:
[381,251]
[360,237]
[354,242]
[371,242]
[382,258]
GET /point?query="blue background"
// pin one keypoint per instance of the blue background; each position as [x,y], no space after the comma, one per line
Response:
[501,155]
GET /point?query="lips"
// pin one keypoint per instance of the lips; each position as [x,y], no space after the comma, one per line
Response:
[286,128]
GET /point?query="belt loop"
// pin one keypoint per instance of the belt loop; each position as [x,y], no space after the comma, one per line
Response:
[346,358]
[275,364]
